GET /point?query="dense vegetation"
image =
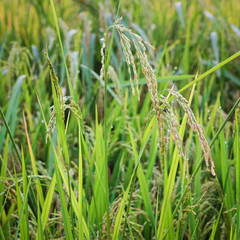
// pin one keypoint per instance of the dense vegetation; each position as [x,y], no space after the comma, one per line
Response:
[85,153]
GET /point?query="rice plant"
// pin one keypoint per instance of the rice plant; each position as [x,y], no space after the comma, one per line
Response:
[119,127]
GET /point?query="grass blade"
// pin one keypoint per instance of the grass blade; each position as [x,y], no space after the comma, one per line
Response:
[237,156]
[65,213]
[142,181]
[34,166]
[48,201]
[62,50]
[80,179]
[122,205]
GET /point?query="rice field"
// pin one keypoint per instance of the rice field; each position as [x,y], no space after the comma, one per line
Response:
[119,119]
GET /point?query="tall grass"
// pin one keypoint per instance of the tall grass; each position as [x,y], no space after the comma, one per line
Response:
[106,137]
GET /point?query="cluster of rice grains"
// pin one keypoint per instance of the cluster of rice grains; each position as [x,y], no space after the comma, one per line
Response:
[163,110]
[65,102]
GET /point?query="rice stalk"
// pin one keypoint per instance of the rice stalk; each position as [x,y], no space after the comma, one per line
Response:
[165,112]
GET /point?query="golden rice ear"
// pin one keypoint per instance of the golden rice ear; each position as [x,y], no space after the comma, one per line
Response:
[147,70]
[139,45]
[171,120]
[114,77]
[126,46]
[196,128]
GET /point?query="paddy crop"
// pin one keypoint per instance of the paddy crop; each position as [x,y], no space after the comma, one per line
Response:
[119,120]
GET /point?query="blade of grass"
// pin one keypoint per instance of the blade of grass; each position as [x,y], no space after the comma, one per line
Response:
[225,175]
[23,229]
[122,205]
[213,69]
[62,51]
[215,225]
[237,147]
[48,201]
[80,181]
[65,213]
[40,226]
[98,203]
[34,166]
[23,207]
[142,180]
[25,194]
[3,173]
[152,152]
[10,134]
[74,201]
[142,81]
[11,114]
[1,233]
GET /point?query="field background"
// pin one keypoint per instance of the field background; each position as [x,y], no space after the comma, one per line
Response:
[107,171]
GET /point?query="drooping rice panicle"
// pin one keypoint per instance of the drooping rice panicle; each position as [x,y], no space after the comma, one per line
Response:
[139,46]
[172,123]
[196,128]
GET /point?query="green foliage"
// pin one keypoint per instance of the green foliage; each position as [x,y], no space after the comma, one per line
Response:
[112,168]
